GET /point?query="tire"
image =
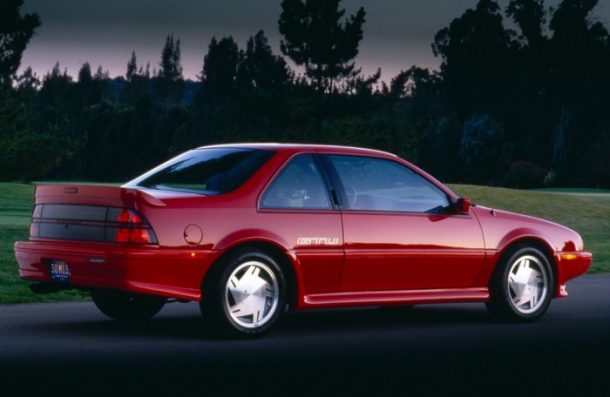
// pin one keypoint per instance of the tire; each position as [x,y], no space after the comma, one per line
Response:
[522,285]
[125,306]
[245,296]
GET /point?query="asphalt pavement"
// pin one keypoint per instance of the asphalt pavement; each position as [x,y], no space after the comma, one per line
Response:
[458,349]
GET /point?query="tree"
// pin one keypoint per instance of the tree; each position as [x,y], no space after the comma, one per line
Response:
[530,16]
[170,66]
[84,74]
[56,87]
[146,72]
[477,58]
[259,68]
[316,37]
[169,79]
[220,68]
[137,87]
[85,86]
[362,86]
[91,89]
[483,152]
[132,67]
[415,80]
[28,81]
[101,74]
[218,111]
[439,151]
[15,33]
[580,52]
[32,144]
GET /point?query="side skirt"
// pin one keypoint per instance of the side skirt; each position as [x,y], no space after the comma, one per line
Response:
[367,298]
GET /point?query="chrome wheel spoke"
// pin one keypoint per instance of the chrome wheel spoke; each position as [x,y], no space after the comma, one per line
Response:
[520,301]
[534,297]
[240,309]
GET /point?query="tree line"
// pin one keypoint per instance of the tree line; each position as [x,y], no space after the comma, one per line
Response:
[521,98]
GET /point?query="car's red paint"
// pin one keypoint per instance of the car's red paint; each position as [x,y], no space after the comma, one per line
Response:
[504,228]
[357,258]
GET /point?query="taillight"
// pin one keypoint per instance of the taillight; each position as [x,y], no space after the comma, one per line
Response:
[132,228]
[90,223]
[34,229]
[129,216]
[35,225]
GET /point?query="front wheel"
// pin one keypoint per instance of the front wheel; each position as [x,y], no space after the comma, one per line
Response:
[125,306]
[522,286]
[246,297]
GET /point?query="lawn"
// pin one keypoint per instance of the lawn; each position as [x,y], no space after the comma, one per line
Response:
[584,210]
[15,212]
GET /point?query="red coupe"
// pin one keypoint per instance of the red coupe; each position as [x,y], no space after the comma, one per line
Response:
[251,230]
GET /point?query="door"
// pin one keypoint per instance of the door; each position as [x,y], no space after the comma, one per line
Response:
[400,231]
[298,206]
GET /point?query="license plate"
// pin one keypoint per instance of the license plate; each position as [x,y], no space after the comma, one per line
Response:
[59,271]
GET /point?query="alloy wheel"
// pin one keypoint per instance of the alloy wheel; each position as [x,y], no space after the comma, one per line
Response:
[251,294]
[527,284]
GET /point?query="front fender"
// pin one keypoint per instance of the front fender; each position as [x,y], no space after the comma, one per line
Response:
[522,234]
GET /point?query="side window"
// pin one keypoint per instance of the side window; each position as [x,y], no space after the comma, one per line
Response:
[383,185]
[299,185]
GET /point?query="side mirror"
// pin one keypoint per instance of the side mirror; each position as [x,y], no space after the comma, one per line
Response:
[462,205]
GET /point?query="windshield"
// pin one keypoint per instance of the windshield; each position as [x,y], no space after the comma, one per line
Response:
[206,171]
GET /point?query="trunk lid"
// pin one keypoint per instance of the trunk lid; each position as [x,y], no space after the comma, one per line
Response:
[102,213]
[105,195]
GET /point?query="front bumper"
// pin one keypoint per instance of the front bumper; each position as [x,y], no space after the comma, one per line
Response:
[570,265]
[174,272]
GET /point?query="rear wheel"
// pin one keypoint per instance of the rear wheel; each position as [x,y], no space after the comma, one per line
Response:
[522,286]
[125,306]
[246,297]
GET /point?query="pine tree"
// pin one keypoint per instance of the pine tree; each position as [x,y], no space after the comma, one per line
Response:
[170,66]
[101,74]
[316,37]
[259,68]
[132,67]
[28,81]
[220,68]
[84,74]
[169,78]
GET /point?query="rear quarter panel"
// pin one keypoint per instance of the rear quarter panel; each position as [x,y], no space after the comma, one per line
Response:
[233,219]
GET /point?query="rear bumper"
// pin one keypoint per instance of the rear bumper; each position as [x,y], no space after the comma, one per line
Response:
[570,265]
[175,272]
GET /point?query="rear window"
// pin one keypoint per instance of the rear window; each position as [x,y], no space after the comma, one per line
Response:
[207,171]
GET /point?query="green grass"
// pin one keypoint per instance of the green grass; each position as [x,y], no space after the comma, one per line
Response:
[579,209]
[574,190]
[585,210]
[15,212]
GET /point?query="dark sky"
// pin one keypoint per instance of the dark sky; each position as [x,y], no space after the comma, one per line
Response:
[397,33]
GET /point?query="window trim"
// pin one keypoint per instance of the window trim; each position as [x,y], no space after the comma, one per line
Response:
[136,183]
[343,195]
[323,173]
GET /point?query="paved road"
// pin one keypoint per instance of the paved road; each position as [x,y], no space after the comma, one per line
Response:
[430,350]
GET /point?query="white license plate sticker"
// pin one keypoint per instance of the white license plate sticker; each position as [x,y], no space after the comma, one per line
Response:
[59,271]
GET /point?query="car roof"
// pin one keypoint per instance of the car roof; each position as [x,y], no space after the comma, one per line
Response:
[305,147]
